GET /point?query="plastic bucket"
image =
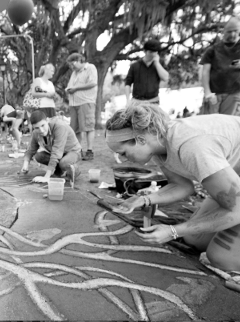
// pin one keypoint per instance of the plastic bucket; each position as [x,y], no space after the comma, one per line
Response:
[56,188]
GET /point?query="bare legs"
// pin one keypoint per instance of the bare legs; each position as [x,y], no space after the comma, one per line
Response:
[201,241]
[222,248]
[89,136]
[15,131]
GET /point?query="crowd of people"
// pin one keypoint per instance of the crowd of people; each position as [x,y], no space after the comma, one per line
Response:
[204,148]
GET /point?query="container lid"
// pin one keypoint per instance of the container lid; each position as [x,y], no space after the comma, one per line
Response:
[57,180]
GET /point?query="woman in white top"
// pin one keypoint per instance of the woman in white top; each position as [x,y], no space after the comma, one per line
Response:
[44,89]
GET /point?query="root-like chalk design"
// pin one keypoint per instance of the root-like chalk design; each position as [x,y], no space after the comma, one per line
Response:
[76,238]
[29,279]
[62,270]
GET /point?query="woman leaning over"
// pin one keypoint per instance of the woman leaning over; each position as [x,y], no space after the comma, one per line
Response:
[43,89]
[202,148]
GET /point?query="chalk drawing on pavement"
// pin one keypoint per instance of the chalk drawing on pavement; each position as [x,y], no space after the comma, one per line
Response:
[28,278]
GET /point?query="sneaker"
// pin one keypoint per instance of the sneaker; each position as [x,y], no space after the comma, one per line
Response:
[88,156]
[22,150]
[16,155]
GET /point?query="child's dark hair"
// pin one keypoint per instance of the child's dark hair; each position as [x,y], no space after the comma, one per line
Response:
[37,116]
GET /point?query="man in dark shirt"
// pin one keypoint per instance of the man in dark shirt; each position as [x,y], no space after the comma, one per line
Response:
[54,144]
[221,72]
[145,75]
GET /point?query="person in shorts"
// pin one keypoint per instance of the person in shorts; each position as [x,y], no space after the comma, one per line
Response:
[16,118]
[82,94]
[4,111]
[44,90]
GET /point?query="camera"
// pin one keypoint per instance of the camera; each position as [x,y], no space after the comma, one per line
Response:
[235,62]
[39,90]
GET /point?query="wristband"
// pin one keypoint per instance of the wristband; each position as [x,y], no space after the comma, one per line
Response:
[174,232]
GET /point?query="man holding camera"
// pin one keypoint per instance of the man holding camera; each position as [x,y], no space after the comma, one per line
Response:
[221,72]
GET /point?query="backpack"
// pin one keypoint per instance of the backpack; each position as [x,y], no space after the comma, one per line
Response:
[131,179]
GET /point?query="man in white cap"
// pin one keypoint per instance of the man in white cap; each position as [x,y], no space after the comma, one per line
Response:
[221,72]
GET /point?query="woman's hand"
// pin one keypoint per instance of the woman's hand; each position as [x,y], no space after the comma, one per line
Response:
[129,205]
[157,234]
[71,90]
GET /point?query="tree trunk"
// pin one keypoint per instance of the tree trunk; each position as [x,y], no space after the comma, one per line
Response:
[102,71]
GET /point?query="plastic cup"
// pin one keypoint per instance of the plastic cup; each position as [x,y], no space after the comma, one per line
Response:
[56,188]
[94,175]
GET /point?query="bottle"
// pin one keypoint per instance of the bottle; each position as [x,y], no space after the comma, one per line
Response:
[146,191]
[150,210]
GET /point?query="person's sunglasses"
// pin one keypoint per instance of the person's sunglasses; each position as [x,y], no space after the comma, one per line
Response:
[74,61]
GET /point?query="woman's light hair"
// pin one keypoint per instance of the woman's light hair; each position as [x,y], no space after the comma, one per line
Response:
[43,69]
[142,117]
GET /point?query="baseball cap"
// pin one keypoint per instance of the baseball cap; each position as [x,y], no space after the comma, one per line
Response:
[153,45]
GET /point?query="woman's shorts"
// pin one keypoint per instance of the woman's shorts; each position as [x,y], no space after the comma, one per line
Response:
[18,115]
[48,111]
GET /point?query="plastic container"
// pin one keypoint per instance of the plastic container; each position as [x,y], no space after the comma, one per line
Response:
[94,175]
[56,188]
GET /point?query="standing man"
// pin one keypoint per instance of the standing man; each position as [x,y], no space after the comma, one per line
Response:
[82,93]
[221,72]
[145,75]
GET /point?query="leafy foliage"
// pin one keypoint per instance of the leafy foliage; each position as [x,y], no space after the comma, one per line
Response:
[58,27]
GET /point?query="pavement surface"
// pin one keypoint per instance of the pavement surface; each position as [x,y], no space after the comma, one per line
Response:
[72,260]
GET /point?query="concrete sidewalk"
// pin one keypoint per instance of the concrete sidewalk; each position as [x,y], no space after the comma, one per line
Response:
[71,260]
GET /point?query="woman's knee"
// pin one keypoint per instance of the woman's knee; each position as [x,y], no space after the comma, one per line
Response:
[200,241]
[224,250]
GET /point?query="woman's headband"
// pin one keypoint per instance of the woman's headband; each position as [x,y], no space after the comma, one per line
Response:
[119,135]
